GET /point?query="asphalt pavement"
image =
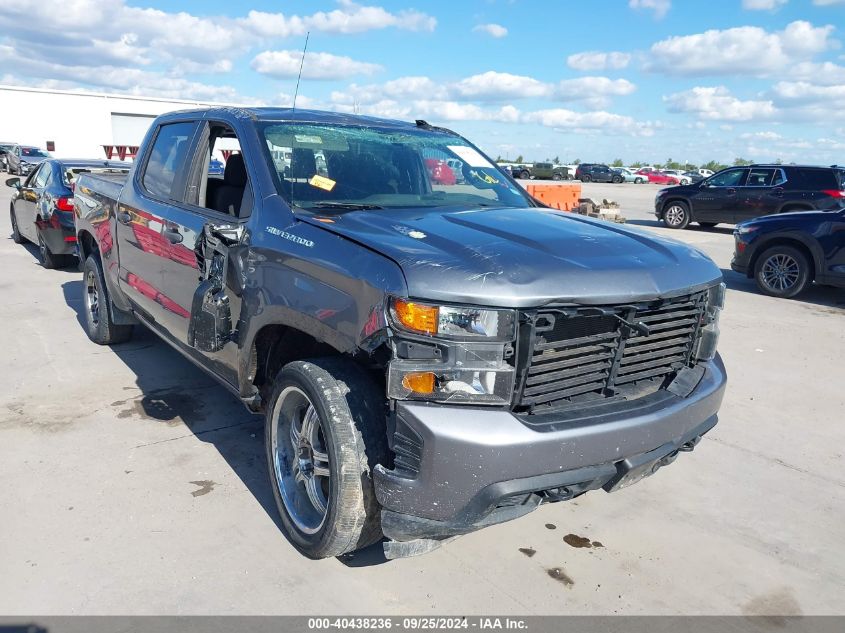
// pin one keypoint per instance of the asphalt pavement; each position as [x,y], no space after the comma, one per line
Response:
[134,484]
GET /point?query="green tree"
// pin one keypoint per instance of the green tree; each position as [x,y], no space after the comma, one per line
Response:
[713,165]
[741,162]
[577,161]
[557,160]
[519,159]
[637,164]
[617,162]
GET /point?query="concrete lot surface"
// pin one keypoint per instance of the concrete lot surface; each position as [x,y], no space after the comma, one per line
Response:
[133,484]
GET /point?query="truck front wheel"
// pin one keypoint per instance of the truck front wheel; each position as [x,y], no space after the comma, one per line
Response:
[95,300]
[325,433]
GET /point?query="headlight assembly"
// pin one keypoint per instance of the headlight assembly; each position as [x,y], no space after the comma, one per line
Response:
[708,335]
[471,365]
[452,321]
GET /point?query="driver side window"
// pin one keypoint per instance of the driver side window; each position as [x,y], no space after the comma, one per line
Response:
[729,178]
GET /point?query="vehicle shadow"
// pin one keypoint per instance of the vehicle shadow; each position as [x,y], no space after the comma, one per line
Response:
[174,391]
[823,296]
[716,230]
[32,249]
[170,389]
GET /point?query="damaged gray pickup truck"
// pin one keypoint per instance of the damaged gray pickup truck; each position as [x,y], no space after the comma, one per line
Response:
[432,355]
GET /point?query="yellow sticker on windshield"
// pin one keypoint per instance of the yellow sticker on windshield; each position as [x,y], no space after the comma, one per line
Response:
[321,182]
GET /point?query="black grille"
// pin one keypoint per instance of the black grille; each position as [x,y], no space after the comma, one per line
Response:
[591,354]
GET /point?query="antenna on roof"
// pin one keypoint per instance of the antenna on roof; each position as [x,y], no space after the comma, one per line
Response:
[301,64]
[293,112]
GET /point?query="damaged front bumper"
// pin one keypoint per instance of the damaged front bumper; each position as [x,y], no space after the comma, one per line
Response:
[459,469]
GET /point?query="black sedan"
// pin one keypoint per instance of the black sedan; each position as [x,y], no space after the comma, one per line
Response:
[785,253]
[42,208]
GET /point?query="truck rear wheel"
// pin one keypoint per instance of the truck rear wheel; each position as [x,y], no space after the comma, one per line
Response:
[95,301]
[325,433]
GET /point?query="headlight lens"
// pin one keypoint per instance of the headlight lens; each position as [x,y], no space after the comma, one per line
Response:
[744,230]
[708,336]
[467,360]
[452,321]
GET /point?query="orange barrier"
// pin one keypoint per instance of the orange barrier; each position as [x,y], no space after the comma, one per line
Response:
[558,196]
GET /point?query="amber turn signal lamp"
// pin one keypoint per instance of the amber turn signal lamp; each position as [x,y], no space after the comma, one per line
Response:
[415,316]
[419,382]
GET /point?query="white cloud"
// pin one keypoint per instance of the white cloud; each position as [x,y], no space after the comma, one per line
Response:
[745,50]
[493,30]
[494,85]
[763,5]
[489,86]
[349,18]
[561,118]
[285,65]
[660,7]
[596,60]
[802,92]
[127,80]
[718,104]
[594,91]
[760,136]
[112,33]
[827,3]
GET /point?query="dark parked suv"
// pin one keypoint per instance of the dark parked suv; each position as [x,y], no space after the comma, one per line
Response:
[742,193]
[785,253]
[588,172]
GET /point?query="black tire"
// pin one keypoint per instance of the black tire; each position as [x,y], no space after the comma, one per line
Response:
[708,225]
[48,259]
[638,181]
[350,412]
[95,302]
[555,176]
[524,175]
[585,178]
[782,271]
[676,215]
[17,238]
[617,179]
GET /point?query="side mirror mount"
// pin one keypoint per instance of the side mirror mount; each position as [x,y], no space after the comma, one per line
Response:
[13,182]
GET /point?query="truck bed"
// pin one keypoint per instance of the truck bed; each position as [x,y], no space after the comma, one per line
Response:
[108,185]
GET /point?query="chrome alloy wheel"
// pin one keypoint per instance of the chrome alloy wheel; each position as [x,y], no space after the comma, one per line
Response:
[300,459]
[780,272]
[675,215]
[92,298]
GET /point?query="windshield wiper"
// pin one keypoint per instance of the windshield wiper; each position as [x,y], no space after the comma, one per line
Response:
[353,206]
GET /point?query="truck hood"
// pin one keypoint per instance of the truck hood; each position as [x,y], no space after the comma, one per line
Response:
[524,257]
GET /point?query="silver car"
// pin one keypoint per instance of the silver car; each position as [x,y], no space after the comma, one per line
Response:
[22,159]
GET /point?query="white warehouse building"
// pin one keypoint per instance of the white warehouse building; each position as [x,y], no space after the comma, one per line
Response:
[77,124]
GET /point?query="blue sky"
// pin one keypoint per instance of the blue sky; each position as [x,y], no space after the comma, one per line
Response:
[631,79]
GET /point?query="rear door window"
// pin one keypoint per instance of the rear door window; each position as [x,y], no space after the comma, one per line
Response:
[760,177]
[818,179]
[42,177]
[167,159]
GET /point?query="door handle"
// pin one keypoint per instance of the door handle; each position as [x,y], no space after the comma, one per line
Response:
[124,217]
[778,192]
[730,190]
[173,236]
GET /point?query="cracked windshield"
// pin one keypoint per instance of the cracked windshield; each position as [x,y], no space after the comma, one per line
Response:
[348,167]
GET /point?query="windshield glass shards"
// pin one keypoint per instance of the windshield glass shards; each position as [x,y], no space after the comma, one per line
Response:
[345,167]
